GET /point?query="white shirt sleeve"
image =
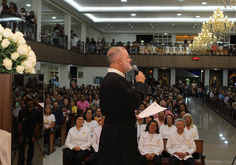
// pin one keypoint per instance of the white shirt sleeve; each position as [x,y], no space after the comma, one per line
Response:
[192,148]
[68,141]
[141,145]
[196,135]
[95,140]
[169,145]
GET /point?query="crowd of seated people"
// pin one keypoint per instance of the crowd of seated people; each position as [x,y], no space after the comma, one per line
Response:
[62,102]
[222,99]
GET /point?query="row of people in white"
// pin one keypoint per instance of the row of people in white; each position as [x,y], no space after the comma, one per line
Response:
[169,126]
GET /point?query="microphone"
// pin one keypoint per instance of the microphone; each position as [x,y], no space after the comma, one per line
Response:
[135,68]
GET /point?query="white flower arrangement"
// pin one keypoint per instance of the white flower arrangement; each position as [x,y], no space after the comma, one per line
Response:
[15,55]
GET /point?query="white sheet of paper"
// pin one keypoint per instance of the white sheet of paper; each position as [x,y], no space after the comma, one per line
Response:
[41,104]
[151,110]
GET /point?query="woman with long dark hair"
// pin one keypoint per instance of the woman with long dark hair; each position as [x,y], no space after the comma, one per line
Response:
[30,24]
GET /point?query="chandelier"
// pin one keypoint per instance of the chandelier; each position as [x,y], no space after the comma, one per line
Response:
[232,2]
[202,42]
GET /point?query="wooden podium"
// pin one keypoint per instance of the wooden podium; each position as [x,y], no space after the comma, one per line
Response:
[6,102]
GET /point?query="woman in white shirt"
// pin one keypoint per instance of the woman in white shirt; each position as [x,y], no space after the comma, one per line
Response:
[169,126]
[192,129]
[78,142]
[151,144]
[96,101]
[48,120]
[147,120]
[88,120]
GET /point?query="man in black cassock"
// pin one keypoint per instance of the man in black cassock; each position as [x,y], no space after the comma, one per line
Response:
[118,101]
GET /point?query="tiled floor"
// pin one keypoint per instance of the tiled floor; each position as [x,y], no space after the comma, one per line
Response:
[212,128]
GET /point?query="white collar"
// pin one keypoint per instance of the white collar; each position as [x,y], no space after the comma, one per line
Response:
[113,70]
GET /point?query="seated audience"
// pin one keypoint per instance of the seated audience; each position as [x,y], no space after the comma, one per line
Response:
[83,104]
[169,126]
[73,108]
[160,119]
[98,115]
[48,120]
[190,127]
[88,120]
[182,113]
[58,115]
[78,142]
[147,120]
[180,145]
[95,142]
[151,144]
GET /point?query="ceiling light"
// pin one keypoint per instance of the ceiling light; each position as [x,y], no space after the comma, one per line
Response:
[179,14]
[28,5]
[181,0]
[112,27]
[131,26]
[133,15]
[226,142]
[151,23]
[221,135]
[194,27]
[108,24]
[223,138]
[195,24]
[165,33]
[173,24]
[204,3]
[129,23]
[152,26]
[197,16]
[123,0]
[54,17]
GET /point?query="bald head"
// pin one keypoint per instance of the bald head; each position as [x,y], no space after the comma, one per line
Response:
[114,53]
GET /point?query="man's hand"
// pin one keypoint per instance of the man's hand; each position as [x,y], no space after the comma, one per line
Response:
[153,155]
[76,148]
[140,77]
[44,128]
[148,156]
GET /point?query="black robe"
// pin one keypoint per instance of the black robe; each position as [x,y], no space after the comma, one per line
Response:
[118,101]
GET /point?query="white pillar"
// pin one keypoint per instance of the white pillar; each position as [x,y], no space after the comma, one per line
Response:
[83,34]
[173,38]
[207,77]
[64,78]
[155,74]
[37,68]
[37,8]
[172,76]
[68,29]
[225,77]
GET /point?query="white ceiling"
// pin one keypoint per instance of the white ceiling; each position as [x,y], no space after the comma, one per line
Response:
[162,13]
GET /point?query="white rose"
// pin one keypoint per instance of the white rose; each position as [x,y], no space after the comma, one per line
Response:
[27,64]
[31,59]
[7,63]
[22,50]
[1,29]
[19,34]
[20,69]
[31,54]
[15,38]
[7,33]
[33,64]
[29,48]
[14,56]
[21,41]
[5,43]
[30,70]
